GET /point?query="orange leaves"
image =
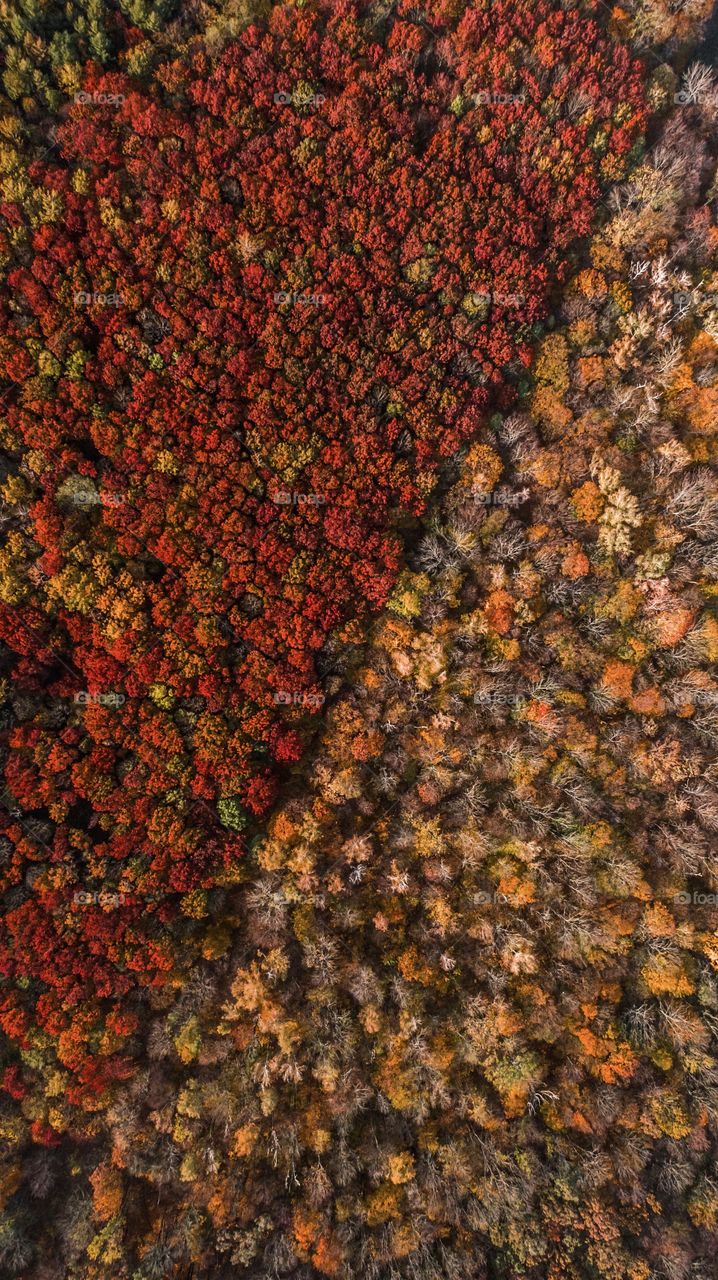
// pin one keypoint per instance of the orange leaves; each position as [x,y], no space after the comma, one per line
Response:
[328,1255]
[514,1099]
[548,409]
[248,989]
[106,1191]
[316,1128]
[703,1206]
[579,1121]
[413,969]
[306,1228]
[395,1078]
[609,1060]
[648,702]
[508,1021]
[575,563]
[669,628]
[499,611]
[517,890]
[667,975]
[371,1020]
[428,792]
[617,679]
[401,1168]
[546,469]
[668,1113]
[661,762]
[551,366]
[483,468]
[244,1140]
[591,283]
[588,502]
[383,1204]
[513,1077]
[404,1240]
[658,921]
[590,371]
[366,746]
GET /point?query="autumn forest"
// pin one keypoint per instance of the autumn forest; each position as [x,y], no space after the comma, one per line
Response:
[358,640]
